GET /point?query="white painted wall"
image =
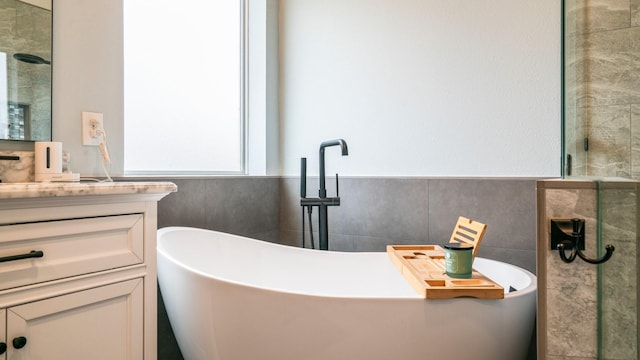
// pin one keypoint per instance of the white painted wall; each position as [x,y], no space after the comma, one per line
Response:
[422,87]
[416,87]
[88,76]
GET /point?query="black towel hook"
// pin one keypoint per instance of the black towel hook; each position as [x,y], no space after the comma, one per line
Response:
[575,241]
[563,256]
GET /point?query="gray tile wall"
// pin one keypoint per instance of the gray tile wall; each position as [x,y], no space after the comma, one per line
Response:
[246,206]
[375,212]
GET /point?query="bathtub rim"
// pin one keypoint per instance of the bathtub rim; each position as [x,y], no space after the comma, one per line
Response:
[531,288]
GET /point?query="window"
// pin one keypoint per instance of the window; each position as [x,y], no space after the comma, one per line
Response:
[183,87]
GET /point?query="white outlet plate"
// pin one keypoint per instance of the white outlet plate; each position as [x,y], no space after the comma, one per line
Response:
[87,139]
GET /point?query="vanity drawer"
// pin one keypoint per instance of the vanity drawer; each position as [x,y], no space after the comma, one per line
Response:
[69,247]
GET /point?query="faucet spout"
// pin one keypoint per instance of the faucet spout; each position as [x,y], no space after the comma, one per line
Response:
[322,193]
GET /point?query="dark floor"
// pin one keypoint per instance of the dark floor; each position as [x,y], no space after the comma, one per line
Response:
[167,345]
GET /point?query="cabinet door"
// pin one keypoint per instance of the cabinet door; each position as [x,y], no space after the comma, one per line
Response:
[100,323]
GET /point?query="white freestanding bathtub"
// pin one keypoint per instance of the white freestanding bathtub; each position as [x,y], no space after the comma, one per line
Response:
[230,297]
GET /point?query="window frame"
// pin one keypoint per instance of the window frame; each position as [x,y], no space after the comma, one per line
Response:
[243,114]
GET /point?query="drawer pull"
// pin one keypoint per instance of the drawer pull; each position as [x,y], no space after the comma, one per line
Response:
[32,254]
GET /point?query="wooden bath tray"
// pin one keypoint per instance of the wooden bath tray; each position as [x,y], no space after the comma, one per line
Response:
[423,267]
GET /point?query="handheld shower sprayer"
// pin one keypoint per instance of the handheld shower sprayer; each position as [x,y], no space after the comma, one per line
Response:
[97,131]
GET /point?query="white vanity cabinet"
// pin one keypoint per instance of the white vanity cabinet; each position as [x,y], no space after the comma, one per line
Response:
[78,271]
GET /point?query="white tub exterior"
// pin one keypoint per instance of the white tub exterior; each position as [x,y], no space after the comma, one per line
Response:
[230,297]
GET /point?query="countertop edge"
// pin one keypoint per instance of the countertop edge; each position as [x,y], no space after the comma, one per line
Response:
[59,189]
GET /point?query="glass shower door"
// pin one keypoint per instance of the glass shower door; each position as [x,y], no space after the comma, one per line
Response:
[601,84]
[601,142]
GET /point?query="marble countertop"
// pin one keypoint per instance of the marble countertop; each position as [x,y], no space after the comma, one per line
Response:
[60,189]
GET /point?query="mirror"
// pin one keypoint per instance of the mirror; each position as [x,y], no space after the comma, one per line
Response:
[601,97]
[25,69]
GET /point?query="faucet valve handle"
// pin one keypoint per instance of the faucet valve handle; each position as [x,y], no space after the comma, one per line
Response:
[337,188]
